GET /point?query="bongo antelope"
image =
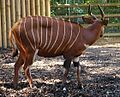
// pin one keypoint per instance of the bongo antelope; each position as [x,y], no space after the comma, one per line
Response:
[50,37]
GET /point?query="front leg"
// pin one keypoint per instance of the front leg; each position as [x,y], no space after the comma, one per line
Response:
[77,65]
[66,65]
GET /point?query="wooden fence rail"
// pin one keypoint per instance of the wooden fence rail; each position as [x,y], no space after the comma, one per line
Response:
[113,28]
[12,10]
[85,5]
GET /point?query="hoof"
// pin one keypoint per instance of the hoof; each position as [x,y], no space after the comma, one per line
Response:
[80,86]
[65,91]
[64,87]
[33,85]
[15,86]
[15,53]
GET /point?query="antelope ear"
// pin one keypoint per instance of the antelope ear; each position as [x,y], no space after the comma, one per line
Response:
[87,20]
[105,21]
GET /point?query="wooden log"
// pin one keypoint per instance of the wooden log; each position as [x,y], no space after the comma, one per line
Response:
[8,20]
[27,7]
[0,27]
[114,24]
[84,5]
[32,7]
[42,7]
[80,16]
[18,11]
[23,8]
[3,18]
[12,12]
[47,6]
[37,7]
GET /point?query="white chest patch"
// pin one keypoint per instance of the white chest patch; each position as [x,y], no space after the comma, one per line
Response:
[86,45]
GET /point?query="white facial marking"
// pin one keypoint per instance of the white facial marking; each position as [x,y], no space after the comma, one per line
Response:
[102,31]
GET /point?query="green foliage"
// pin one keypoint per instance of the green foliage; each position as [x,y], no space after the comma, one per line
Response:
[66,11]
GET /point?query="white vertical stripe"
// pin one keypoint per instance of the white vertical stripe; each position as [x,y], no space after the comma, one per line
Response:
[46,37]
[63,38]
[75,38]
[56,36]
[33,31]
[13,41]
[38,36]
[51,34]
[19,27]
[27,35]
[41,32]
[71,29]
[35,54]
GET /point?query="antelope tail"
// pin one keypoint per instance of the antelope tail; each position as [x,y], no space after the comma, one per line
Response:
[13,44]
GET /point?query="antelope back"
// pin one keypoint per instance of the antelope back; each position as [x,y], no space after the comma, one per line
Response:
[50,35]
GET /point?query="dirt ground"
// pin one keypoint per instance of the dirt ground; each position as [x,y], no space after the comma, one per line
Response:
[100,74]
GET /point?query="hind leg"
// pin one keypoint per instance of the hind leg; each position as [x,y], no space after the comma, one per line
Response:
[28,62]
[17,66]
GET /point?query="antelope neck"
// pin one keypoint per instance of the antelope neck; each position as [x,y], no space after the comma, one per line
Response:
[92,33]
[95,25]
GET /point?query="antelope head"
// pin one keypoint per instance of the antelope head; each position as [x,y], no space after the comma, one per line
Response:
[92,19]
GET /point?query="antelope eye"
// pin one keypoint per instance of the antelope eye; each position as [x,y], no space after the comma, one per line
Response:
[105,22]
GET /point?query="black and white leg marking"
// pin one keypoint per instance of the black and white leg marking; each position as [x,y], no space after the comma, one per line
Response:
[76,62]
[66,65]
[77,65]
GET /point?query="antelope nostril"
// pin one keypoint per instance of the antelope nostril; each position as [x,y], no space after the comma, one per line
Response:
[101,35]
